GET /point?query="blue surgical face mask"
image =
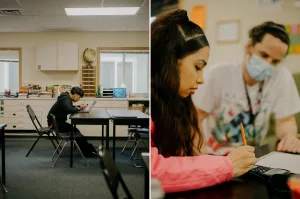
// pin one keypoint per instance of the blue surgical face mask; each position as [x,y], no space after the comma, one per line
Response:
[258,68]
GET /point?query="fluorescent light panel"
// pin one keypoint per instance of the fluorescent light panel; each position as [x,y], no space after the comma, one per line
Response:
[102,11]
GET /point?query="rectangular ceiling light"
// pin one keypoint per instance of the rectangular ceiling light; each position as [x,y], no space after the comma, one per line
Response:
[102,11]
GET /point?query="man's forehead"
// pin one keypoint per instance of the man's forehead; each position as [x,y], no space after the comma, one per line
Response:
[273,46]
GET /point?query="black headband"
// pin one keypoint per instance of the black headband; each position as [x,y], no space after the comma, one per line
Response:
[277,28]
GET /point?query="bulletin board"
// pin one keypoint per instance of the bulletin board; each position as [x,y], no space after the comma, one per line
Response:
[294,33]
[198,16]
[228,31]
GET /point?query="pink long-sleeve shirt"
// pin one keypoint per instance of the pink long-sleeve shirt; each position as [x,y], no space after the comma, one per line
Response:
[177,173]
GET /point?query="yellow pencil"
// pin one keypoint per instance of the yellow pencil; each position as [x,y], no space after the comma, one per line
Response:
[243,134]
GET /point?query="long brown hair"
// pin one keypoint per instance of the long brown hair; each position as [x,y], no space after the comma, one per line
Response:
[173,36]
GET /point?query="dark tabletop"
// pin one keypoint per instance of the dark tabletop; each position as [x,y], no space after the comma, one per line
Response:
[2,126]
[245,187]
[128,113]
[96,117]
[96,114]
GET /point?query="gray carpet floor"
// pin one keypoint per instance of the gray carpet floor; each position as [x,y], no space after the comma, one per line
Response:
[34,178]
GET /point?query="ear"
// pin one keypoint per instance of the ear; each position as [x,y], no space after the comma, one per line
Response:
[248,47]
[248,50]
[179,62]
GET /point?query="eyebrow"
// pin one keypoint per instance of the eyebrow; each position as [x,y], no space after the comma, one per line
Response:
[202,61]
[269,56]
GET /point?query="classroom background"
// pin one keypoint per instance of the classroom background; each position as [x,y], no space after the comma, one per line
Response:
[227,31]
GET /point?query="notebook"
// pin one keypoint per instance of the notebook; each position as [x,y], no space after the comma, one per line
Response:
[88,108]
[281,160]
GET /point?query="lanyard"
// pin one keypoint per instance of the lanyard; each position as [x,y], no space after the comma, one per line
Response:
[259,97]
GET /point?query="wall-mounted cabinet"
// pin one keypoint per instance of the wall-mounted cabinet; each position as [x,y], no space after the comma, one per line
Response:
[57,56]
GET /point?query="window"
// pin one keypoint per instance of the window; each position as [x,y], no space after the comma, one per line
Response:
[9,70]
[129,68]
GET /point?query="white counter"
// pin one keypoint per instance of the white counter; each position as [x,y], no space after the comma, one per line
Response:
[84,98]
[13,112]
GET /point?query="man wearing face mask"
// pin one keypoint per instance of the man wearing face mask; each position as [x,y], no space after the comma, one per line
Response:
[248,92]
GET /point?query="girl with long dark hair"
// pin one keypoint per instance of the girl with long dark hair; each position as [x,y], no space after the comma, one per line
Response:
[179,53]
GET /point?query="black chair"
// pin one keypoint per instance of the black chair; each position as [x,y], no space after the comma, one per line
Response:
[112,174]
[137,135]
[64,137]
[39,129]
[131,131]
[140,135]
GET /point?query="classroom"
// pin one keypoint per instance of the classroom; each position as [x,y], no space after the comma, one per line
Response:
[59,48]
[83,83]
[235,67]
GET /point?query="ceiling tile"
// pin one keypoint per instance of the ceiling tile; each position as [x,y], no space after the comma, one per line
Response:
[41,15]
[9,4]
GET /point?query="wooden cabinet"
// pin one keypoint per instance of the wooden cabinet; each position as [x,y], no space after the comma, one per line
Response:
[14,113]
[67,56]
[46,56]
[57,56]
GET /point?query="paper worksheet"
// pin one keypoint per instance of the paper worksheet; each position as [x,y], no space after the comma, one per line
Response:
[281,160]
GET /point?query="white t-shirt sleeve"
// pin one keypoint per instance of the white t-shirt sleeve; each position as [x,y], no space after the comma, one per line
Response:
[287,100]
[208,95]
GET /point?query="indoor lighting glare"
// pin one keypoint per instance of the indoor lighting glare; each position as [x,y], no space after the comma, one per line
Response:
[102,11]
[152,19]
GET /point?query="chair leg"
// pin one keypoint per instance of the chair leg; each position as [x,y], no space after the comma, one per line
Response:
[54,136]
[3,187]
[136,145]
[60,153]
[134,159]
[56,149]
[52,143]
[138,166]
[145,144]
[81,152]
[129,137]
[33,145]
[133,146]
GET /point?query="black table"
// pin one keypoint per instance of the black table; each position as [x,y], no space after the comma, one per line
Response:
[127,117]
[245,187]
[3,179]
[97,117]
[145,158]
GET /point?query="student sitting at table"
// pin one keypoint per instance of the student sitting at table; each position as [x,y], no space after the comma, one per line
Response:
[179,53]
[61,109]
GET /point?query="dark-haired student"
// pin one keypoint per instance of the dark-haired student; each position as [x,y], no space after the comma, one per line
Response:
[179,53]
[61,109]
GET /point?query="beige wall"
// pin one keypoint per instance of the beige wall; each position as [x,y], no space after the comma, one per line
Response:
[248,14]
[28,41]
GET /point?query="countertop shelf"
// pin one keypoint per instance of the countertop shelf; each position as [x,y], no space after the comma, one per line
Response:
[88,80]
